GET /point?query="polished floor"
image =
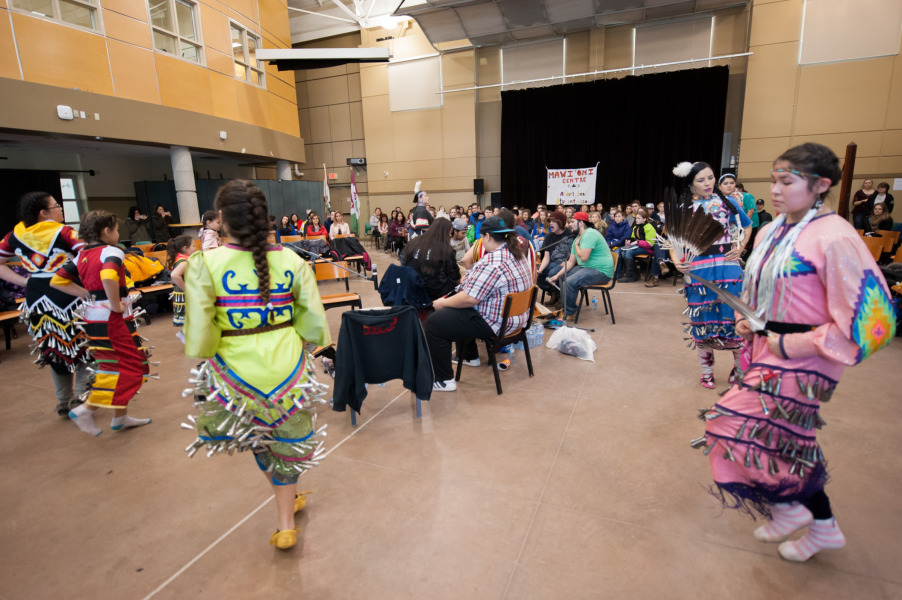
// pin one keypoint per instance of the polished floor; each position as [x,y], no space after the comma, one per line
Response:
[577,483]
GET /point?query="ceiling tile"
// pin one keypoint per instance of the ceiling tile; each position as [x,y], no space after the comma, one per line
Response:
[518,13]
[528,33]
[481,19]
[559,11]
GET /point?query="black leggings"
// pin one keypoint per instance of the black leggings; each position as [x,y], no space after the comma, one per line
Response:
[819,505]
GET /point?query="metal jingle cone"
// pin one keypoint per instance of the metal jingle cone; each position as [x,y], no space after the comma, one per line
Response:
[698,442]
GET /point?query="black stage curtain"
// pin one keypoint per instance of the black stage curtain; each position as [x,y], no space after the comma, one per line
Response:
[637,128]
[15,183]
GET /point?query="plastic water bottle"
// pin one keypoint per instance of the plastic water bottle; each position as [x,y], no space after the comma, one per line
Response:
[594,302]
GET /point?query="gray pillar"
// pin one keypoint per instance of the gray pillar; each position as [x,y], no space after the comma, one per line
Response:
[185,190]
[283,170]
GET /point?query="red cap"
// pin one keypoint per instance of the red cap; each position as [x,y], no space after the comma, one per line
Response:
[581,216]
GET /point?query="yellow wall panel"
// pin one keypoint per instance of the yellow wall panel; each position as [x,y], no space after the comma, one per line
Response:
[136,9]
[848,108]
[322,92]
[223,90]
[216,30]
[270,41]
[39,45]
[279,88]
[459,167]
[770,91]
[183,85]
[373,80]
[459,125]
[354,87]
[890,164]
[134,72]
[126,29]
[776,22]
[285,115]
[340,122]
[220,63]
[274,19]
[320,131]
[253,106]
[3,5]
[9,63]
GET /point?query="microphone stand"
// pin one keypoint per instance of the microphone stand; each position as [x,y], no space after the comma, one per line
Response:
[315,257]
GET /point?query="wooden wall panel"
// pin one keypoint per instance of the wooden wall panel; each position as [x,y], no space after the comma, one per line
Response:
[134,72]
[9,62]
[215,26]
[136,9]
[39,43]
[223,90]
[183,85]
[274,19]
[126,29]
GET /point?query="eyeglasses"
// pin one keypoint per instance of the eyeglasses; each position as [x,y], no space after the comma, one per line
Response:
[59,206]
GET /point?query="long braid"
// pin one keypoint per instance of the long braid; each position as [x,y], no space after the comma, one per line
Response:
[245,212]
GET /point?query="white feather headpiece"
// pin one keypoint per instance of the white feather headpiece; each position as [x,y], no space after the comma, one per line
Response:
[683,169]
[416,188]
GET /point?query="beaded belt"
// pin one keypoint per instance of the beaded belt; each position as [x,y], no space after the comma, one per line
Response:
[255,330]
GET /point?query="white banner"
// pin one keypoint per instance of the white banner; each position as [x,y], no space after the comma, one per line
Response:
[571,186]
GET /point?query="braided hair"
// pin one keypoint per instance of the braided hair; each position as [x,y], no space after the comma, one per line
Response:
[244,211]
[688,191]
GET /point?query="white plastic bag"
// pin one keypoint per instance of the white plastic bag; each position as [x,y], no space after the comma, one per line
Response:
[576,342]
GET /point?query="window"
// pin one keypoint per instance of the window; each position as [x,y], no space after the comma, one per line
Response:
[175,29]
[82,13]
[244,51]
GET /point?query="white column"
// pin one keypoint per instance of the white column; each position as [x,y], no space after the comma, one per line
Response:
[185,190]
[283,170]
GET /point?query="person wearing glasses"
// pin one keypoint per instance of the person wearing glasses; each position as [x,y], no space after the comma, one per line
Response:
[43,244]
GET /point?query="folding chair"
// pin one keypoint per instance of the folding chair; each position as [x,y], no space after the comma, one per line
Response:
[604,288]
[514,304]
[327,271]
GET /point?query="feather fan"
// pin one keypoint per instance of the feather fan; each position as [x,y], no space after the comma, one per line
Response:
[689,232]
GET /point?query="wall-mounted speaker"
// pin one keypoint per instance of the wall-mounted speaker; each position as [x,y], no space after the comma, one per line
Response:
[478,186]
[496,199]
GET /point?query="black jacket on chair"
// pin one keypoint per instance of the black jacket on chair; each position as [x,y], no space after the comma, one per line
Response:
[375,346]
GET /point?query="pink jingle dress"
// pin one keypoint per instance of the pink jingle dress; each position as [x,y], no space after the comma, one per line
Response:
[761,436]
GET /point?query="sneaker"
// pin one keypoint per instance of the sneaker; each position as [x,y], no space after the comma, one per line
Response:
[653,282]
[664,268]
[181,336]
[732,378]
[707,381]
[570,317]
[470,363]
[449,385]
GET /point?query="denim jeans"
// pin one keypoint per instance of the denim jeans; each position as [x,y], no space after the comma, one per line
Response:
[576,278]
[542,279]
[660,254]
[628,254]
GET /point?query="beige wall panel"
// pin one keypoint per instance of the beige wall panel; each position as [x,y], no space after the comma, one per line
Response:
[457,69]
[304,123]
[777,22]
[730,31]
[356,114]
[340,122]
[322,92]
[417,134]
[755,170]
[894,111]
[126,29]
[326,73]
[220,63]
[301,93]
[134,72]
[341,152]
[9,63]
[596,49]
[892,142]
[890,164]
[322,154]
[488,72]
[224,90]
[488,166]
[459,125]
[373,80]
[358,149]
[848,109]
[414,43]
[413,170]
[770,91]
[354,86]
[183,85]
[378,125]
[866,165]
[460,167]
[762,149]
[576,53]
[274,19]
[618,47]
[458,183]
[39,45]
[488,121]
[216,30]
[136,9]
[869,142]
[320,131]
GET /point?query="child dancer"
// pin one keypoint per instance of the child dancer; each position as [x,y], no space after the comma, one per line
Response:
[827,306]
[209,233]
[250,307]
[115,347]
[177,252]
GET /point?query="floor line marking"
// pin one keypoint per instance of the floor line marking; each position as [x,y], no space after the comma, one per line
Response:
[260,507]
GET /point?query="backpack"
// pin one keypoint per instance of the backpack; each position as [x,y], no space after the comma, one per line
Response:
[351,247]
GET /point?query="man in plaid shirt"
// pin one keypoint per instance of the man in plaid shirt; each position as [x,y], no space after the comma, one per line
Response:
[475,311]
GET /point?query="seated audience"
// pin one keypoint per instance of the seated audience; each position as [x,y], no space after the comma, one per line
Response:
[590,263]
[617,231]
[642,238]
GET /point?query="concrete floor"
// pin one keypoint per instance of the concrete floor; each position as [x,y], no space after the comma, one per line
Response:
[577,483]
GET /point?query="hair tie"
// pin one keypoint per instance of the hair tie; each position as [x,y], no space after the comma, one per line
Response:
[725,175]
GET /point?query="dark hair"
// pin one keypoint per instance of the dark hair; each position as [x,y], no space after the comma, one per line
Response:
[883,184]
[513,243]
[93,224]
[244,210]
[31,205]
[400,214]
[416,196]
[156,206]
[174,246]
[132,211]
[294,218]
[383,217]
[507,215]
[814,159]
[689,191]
[210,215]
[431,247]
